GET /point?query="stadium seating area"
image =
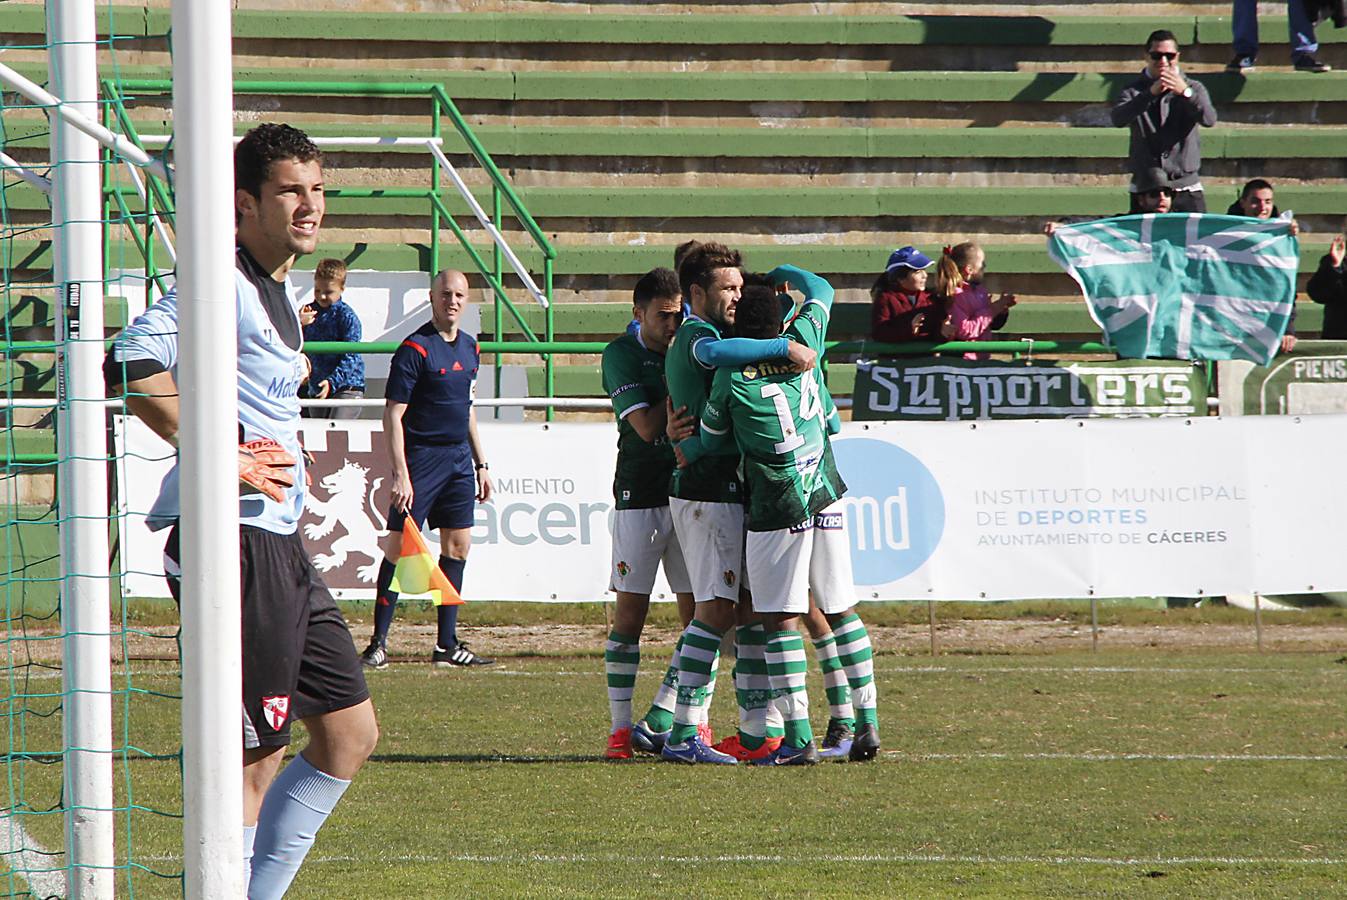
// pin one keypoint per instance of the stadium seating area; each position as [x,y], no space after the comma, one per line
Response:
[822,134]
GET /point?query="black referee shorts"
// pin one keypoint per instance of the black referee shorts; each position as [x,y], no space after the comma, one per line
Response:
[298,656]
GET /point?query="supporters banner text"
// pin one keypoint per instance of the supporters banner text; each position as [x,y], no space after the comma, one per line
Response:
[948,390]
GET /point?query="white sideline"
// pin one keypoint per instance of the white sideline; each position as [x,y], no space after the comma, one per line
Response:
[809,858]
[27,854]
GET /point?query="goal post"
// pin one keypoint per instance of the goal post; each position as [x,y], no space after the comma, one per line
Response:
[82,480]
[203,105]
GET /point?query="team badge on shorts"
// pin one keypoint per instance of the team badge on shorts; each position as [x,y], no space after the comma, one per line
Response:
[623,569]
[729,577]
[276,710]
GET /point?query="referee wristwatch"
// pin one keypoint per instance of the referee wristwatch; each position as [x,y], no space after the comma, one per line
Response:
[480,466]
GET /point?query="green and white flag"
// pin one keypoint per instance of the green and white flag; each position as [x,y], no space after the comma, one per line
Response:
[1184,286]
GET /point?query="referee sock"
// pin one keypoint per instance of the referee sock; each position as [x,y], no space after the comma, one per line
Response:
[621,659]
[853,648]
[696,663]
[834,680]
[447,616]
[385,603]
[294,808]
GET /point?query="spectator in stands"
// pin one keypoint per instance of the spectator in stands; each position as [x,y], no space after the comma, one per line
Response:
[1244,28]
[970,312]
[1163,110]
[1257,201]
[337,376]
[1154,195]
[901,308]
[1328,285]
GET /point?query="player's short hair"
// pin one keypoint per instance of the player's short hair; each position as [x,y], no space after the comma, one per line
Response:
[660,282]
[1257,184]
[758,314]
[702,261]
[682,250]
[1159,36]
[330,270]
[267,144]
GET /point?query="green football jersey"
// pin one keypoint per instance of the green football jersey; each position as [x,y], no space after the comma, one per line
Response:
[714,477]
[780,428]
[634,379]
[779,421]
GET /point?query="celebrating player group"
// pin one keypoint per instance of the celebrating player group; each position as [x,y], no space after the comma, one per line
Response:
[726,478]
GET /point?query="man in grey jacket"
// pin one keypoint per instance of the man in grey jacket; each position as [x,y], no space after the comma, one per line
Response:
[1163,110]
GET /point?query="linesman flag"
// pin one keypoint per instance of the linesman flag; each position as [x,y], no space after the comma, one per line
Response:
[1183,285]
[417,573]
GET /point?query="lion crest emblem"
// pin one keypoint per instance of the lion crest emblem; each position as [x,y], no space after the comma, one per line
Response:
[349,503]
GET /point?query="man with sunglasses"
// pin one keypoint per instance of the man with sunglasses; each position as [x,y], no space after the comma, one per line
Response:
[1163,109]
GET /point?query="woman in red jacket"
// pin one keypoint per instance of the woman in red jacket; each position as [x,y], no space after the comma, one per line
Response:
[901,307]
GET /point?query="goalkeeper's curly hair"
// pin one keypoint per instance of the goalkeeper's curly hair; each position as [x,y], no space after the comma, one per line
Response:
[265,145]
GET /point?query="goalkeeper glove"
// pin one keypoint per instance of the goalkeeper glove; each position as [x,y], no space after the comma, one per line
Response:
[265,467]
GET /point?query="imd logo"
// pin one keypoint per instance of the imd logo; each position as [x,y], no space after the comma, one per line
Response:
[895,513]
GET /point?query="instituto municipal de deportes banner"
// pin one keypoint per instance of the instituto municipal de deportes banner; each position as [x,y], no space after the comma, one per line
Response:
[946,390]
[939,510]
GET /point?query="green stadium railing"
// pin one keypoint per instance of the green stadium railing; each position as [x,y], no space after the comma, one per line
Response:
[119,93]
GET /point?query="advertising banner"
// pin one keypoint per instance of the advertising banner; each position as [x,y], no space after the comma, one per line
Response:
[1310,380]
[942,510]
[948,390]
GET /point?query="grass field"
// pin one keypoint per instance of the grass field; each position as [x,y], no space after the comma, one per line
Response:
[1127,772]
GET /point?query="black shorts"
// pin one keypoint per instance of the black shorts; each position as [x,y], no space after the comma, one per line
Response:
[298,656]
[444,487]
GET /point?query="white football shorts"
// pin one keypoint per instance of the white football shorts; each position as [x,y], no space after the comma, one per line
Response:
[642,540]
[712,538]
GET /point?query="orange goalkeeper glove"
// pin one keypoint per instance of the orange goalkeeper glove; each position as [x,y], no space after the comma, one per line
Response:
[265,467]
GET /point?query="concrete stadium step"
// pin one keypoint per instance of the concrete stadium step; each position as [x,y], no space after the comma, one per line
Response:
[969,39]
[548,204]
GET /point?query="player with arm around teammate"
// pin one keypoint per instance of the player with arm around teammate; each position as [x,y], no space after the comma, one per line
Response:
[643,533]
[298,659]
[706,499]
[780,421]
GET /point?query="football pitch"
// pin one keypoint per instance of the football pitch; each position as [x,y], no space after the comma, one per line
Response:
[1122,773]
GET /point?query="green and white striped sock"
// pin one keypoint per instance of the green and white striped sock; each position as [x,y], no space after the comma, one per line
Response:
[711,689]
[786,668]
[621,659]
[696,666]
[660,715]
[834,680]
[750,677]
[853,647]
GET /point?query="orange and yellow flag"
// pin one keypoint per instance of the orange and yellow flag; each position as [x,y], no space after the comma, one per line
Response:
[417,573]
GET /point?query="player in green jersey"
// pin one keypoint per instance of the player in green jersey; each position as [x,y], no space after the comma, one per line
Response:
[643,534]
[796,542]
[706,500]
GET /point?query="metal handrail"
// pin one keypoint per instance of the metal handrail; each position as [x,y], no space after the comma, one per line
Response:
[441,105]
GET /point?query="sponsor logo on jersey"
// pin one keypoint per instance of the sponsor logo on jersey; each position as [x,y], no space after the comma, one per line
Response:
[801,527]
[831,521]
[276,710]
[750,372]
[458,366]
